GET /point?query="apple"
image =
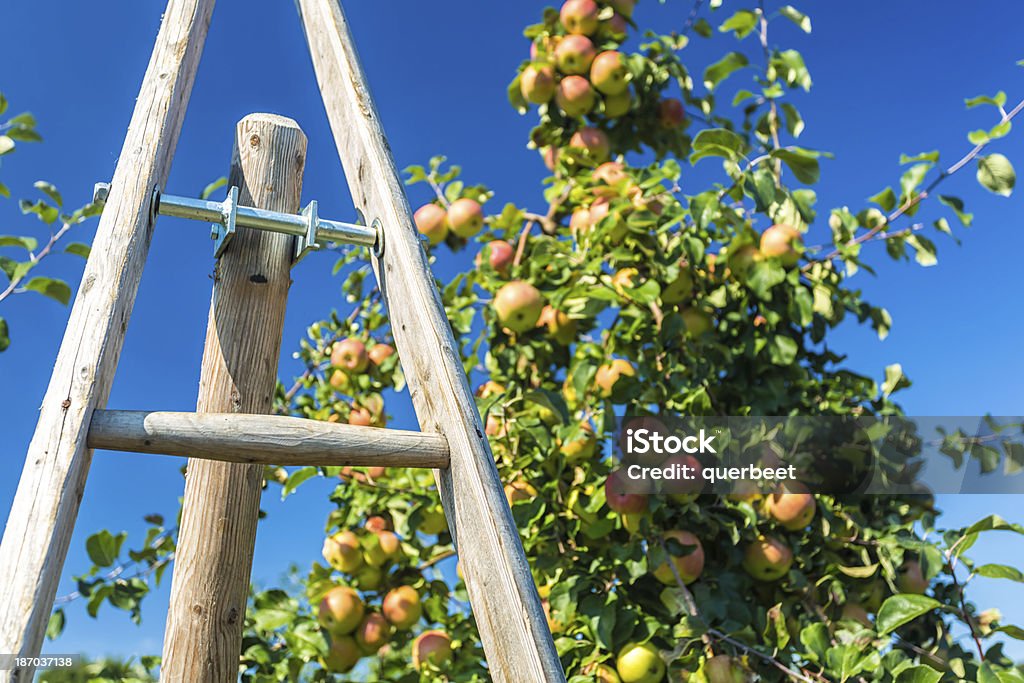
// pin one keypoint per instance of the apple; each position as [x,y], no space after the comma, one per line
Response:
[339,381]
[640,663]
[684,490]
[609,73]
[723,669]
[619,500]
[494,426]
[615,28]
[624,280]
[767,559]
[580,16]
[434,647]
[593,141]
[340,610]
[376,472]
[670,113]
[606,674]
[550,156]
[432,521]
[911,578]
[781,242]
[609,173]
[381,546]
[379,353]
[342,655]
[574,55]
[583,446]
[537,83]
[598,210]
[369,577]
[617,106]
[402,606]
[579,223]
[640,202]
[743,259]
[350,355]
[500,255]
[689,566]
[793,510]
[697,322]
[342,552]
[372,633]
[519,490]
[432,220]
[560,326]
[518,306]
[360,417]
[575,96]
[610,374]
[678,290]
[490,388]
[853,611]
[623,7]
[465,217]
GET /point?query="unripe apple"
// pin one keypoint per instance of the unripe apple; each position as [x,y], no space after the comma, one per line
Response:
[537,83]
[350,355]
[517,491]
[781,242]
[381,546]
[431,646]
[609,375]
[559,325]
[340,610]
[580,16]
[793,511]
[342,655]
[372,633]
[593,141]
[606,674]
[767,559]
[379,353]
[500,255]
[640,663]
[615,28]
[853,611]
[617,106]
[743,259]
[671,113]
[609,73]
[402,606]
[697,322]
[583,446]
[689,566]
[360,417]
[465,217]
[723,669]
[342,551]
[432,221]
[574,55]
[575,97]
[623,7]
[911,578]
[432,521]
[678,290]
[518,306]
[340,381]
[369,577]
[619,500]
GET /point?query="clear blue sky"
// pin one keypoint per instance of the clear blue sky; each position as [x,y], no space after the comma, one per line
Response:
[890,77]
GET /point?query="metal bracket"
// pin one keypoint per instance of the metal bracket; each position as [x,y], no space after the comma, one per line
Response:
[307,243]
[223,231]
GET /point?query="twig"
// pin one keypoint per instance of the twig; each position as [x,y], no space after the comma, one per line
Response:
[440,557]
[35,259]
[521,242]
[692,19]
[773,121]
[963,605]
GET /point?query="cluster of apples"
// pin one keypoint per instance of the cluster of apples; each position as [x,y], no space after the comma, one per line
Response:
[464,217]
[351,357]
[355,631]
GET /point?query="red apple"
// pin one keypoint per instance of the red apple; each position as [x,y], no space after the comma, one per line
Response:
[537,83]
[380,352]
[688,566]
[575,97]
[434,647]
[619,500]
[574,55]
[580,16]
[465,217]
[518,306]
[609,73]
[350,355]
[402,606]
[500,255]
[372,633]
[594,141]
[340,610]
[670,113]
[432,221]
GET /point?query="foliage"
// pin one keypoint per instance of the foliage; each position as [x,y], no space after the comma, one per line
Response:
[709,312]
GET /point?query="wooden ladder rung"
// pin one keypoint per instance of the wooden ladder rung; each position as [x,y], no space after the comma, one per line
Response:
[264,439]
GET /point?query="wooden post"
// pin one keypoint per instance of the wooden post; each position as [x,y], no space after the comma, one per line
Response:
[42,517]
[243,341]
[508,611]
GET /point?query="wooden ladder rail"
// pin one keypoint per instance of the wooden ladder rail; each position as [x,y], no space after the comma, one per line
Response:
[507,608]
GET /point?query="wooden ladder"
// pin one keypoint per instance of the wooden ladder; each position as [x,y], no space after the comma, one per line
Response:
[230,438]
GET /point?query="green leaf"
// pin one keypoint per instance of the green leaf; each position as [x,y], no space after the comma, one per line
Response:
[1015,632]
[296,478]
[995,173]
[55,289]
[957,205]
[5,191]
[993,523]
[998,100]
[104,547]
[723,68]
[50,191]
[1000,571]
[978,137]
[5,339]
[78,249]
[894,379]
[717,142]
[902,609]
[741,23]
[213,187]
[26,243]
[794,122]
[6,144]
[46,213]
[3,103]
[797,17]
[55,626]
[924,250]
[763,276]
[913,177]
[918,674]
[932,156]
[782,350]
[802,162]
[885,199]
[815,639]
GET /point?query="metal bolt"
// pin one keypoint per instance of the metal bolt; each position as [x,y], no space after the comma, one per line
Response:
[100,191]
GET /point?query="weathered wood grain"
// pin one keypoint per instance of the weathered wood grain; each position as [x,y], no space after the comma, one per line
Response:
[508,611]
[264,439]
[43,515]
[243,342]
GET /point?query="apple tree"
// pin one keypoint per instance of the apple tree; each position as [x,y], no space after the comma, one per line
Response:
[632,289]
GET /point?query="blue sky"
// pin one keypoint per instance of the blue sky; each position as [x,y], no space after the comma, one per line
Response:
[889,78]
